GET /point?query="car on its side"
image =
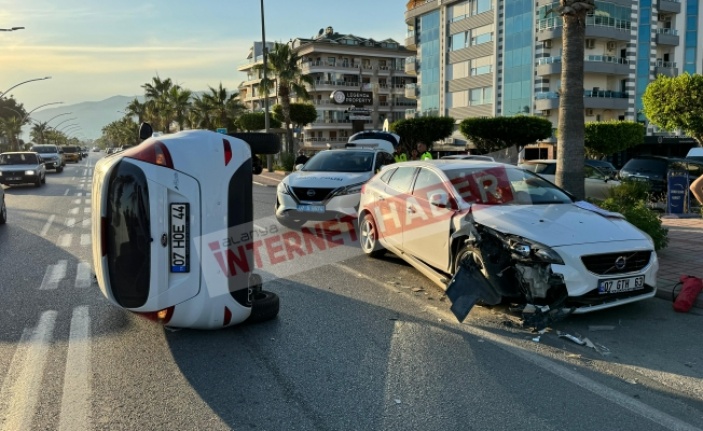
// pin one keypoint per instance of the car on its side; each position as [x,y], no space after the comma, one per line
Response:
[597,184]
[327,187]
[469,157]
[72,153]
[163,214]
[518,236]
[22,167]
[52,156]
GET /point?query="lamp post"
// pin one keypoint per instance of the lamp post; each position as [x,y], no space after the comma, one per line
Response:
[40,106]
[269,157]
[56,116]
[23,82]
[12,29]
[66,127]
[64,121]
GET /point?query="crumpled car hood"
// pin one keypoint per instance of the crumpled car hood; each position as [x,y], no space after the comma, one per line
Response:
[555,225]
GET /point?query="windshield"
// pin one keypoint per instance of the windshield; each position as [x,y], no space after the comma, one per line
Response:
[18,159]
[504,185]
[340,161]
[45,150]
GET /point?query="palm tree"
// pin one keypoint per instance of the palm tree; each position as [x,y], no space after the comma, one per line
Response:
[200,115]
[156,94]
[179,99]
[224,108]
[11,128]
[136,109]
[37,133]
[283,63]
[571,128]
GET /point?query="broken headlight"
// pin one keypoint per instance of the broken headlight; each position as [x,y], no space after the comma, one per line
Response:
[525,249]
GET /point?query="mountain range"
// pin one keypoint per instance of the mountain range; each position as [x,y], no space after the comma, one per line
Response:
[91,117]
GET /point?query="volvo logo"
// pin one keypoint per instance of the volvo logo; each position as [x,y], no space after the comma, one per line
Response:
[620,262]
[164,240]
[310,192]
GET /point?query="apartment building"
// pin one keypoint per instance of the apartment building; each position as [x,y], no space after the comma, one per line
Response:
[503,57]
[342,62]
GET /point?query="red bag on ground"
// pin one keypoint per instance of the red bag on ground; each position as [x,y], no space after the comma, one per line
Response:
[692,286]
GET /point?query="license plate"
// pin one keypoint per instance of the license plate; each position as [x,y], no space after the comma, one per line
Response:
[15,178]
[311,208]
[179,244]
[617,285]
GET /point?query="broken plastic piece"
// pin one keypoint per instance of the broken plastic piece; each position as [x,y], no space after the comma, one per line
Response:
[467,287]
[570,337]
[536,339]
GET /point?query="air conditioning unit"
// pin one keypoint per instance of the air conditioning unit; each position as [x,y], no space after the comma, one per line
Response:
[589,112]
[610,46]
[590,43]
[547,43]
[448,140]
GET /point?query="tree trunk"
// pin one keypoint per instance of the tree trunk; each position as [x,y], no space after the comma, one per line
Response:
[571,128]
[284,93]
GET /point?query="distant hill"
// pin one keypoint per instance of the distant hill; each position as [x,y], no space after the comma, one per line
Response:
[90,116]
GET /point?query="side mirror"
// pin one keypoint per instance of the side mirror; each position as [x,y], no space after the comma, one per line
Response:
[440,200]
[298,167]
[145,131]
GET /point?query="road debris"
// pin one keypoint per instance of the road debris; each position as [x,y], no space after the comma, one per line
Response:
[570,337]
[418,289]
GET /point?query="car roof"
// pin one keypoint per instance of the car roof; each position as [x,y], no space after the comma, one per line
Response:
[533,161]
[445,164]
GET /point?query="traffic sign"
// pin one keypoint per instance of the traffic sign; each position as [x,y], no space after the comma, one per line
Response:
[222,130]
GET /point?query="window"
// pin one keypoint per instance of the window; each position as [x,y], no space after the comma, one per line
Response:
[480,96]
[481,35]
[482,65]
[427,183]
[402,179]
[458,41]
[331,61]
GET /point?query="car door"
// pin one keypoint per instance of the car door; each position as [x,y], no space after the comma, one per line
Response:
[428,213]
[391,205]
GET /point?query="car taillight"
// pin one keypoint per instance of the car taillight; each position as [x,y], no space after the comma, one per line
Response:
[228,151]
[161,316]
[228,317]
[154,152]
[103,235]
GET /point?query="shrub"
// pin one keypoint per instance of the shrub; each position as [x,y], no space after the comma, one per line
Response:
[287,161]
[630,200]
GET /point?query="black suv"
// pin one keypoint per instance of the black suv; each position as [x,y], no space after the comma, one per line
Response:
[654,170]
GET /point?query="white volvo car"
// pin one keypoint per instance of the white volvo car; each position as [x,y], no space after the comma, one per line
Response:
[327,186]
[489,231]
[172,229]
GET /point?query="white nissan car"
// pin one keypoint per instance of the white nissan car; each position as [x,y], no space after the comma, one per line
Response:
[327,187]
[164,213]
[490,231]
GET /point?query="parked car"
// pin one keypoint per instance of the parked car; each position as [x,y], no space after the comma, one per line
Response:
[604,166]
[654,170]
[72,153]
[597,184]
[469,157]
[163,214]
[521,237]
[327,187]
[22,167]
[52,156]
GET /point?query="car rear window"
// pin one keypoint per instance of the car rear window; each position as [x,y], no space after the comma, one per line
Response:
[646,165]
[128,235]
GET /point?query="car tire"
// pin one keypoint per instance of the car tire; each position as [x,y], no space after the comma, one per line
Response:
[3,212]
[37,183]
[290,223]
[260,143]
[368,237]
[43,179]
[257,169]
[264,306]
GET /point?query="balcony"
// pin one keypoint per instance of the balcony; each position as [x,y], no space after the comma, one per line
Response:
[604,64]
[596,27]
[666,68]
[411,65]
[410,42]
[667,36]
[411,91]
[593,99]
[673,6]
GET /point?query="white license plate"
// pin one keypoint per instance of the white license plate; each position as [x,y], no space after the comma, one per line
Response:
[15,178]
[179,244]
[617,285]
[311,208]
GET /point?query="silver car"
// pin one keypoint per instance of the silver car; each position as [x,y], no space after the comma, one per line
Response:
[22,167]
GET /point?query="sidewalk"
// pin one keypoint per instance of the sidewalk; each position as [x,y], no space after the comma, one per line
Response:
[683,255]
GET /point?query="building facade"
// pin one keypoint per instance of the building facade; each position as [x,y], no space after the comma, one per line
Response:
[503,57]
[348,63]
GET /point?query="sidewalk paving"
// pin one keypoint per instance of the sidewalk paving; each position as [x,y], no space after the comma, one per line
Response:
[683,255]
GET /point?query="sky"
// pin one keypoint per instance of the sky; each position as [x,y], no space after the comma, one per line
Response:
[93,50]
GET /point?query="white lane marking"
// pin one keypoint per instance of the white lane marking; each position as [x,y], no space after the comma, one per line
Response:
[66,192]
[86,210]
[20,390]
[70,222]
[623,400]
[85,239]
[53,275]
[65,240]
[73,211]
[77,201]
[87,201]
[47,225]
[83,275]
[75,402]
[86,222]
[85,172]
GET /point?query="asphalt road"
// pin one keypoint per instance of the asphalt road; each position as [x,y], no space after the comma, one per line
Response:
[360,344]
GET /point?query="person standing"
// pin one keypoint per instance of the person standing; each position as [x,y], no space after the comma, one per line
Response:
[423,151]
[301,159]
[414,155]
[399,155]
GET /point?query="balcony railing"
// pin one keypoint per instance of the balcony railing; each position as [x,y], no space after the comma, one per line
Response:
[597,58]
[586,93]
[671,31]
[599,21]
[666,64]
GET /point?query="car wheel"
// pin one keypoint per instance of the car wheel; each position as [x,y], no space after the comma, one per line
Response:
[264,306]
[368,237]
[290,223]
[3,212]
[257,169]
[37,183]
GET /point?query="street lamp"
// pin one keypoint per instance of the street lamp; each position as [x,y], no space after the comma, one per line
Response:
[40,106]
[64,121]
[12,29]
[68,126]
[269,157]
[55,116]
[23,82]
